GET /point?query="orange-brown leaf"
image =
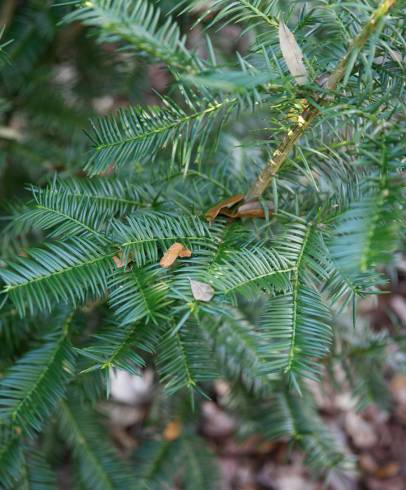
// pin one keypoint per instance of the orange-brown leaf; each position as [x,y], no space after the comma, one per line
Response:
[173,430]
[174,251]
[253,209]
[213,212]
[185,252]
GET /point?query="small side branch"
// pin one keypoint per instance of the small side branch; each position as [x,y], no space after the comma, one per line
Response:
[310,112]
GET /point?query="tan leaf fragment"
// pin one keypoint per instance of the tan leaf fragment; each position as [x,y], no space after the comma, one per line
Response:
[185,252]
[118,262]
[174,251]
[292,54]
[201,291]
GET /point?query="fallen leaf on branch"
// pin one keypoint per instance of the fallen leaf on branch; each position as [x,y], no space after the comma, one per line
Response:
[118,262]
[221,207]
[174,251]
[185,252]
[253,209]
[292,54]
[201,291]
[121,264]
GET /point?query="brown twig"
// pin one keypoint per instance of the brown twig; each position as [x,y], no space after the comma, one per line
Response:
[7,12]
[311,112]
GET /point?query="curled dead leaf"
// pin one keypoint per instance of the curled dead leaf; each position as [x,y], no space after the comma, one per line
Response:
[201,291]
[253,209]
[250,209]
[223,206]
[174,251]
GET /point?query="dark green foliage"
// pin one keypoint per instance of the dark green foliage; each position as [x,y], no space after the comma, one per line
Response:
[137,134]
[159,462]
[252,268]
[137,25]
[286,415]
[115,346]
[155,461]
[144,236]
[238,345]
[366,233]
[99,466]
[82,289]
[11,457]
[33,386]
[297,329]
[36,473]
[183,359]
[51,274]
[139,293]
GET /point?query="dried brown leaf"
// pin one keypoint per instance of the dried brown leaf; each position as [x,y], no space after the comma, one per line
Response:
[213,212]
[253,209]
[292,54]
[201,291]
[185,252]
[174,251]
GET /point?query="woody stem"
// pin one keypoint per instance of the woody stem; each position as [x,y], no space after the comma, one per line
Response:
[310,112]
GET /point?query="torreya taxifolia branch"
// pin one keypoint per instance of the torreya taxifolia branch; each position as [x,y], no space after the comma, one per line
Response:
[111,275]
[310,112]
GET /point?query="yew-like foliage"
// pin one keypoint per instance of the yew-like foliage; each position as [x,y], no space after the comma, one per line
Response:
[218,233]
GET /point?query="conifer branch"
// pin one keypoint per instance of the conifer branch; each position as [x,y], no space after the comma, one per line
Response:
[310,112]
[34,385]
[80,443]
[295,294]
[252,301]
[136,23]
